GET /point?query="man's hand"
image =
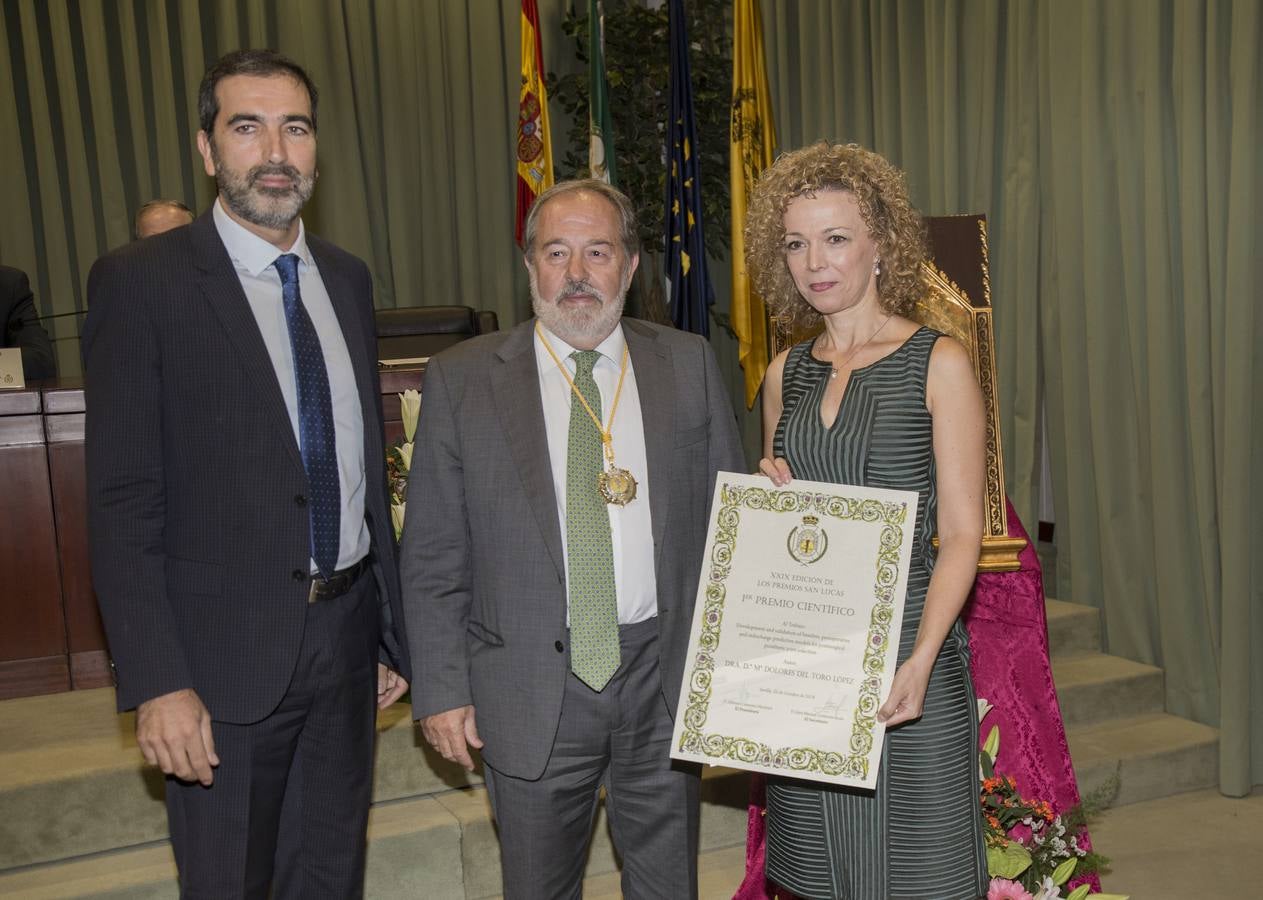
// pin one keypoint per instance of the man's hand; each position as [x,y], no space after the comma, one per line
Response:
[449,732]
[390,686]
[174,733]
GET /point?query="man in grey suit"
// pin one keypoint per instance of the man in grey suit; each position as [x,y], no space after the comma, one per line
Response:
[555,530]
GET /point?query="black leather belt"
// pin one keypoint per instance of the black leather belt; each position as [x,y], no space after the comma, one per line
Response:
[338,584]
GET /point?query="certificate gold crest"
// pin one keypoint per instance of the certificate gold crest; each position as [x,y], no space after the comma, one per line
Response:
[808,542]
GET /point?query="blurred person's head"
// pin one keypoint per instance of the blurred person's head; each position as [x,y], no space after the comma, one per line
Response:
[158,216]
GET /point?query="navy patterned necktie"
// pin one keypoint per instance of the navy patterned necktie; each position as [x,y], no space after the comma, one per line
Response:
[315,421]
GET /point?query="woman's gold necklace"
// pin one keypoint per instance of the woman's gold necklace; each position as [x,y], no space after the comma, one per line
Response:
[616,486]
[854,353]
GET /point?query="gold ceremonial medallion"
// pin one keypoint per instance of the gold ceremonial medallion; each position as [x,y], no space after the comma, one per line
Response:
[617,486]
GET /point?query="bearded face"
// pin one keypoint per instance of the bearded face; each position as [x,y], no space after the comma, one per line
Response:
[262,151]
[579,269]
[268,195]
[580,313]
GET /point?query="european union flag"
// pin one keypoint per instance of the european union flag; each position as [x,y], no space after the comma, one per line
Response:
[691,290]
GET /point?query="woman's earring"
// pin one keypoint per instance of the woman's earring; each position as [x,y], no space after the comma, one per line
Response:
[876,267]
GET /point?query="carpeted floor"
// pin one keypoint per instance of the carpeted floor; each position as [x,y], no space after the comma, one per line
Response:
[1198,845]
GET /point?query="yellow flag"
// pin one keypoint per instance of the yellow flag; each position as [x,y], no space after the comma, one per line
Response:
[752,143]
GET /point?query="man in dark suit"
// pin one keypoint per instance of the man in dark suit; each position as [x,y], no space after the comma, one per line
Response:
[21,325]
[550,560]
[242,549]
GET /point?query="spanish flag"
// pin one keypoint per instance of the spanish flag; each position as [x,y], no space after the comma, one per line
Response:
[534,149]
[752,144]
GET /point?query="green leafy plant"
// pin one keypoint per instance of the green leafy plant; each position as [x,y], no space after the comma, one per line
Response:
[1033,852]
[399,458]
[637,67]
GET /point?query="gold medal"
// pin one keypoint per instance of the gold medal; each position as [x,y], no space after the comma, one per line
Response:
[616,486]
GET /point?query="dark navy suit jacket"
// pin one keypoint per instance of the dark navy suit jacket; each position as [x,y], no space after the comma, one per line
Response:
[196,490]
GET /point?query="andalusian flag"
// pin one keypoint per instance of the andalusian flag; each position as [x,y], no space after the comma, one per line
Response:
[691,291]
[752,143]
[600,123]
[534,150]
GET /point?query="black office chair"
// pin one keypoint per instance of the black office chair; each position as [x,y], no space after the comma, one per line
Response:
[412,332]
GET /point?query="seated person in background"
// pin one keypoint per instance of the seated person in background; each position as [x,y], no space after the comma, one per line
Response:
[158,216]
[21,325]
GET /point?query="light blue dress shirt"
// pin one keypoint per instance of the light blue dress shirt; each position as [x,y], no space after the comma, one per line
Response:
[253,258]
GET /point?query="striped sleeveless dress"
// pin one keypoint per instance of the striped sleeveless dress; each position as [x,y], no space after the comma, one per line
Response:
[919,834]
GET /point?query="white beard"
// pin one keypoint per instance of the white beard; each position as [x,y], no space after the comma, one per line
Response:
[579,327]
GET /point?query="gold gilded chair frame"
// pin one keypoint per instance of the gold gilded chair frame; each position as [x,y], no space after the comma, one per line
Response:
[958,303]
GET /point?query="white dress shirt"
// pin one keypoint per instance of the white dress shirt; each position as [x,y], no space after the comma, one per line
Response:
[630,526]
[253,258]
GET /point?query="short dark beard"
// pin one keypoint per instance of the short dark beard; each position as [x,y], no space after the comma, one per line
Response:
[271,208]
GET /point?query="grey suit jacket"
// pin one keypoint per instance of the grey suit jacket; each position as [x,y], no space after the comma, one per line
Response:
[481,557]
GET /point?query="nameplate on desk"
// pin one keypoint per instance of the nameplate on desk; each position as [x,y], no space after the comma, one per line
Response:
[407,361]
[11,369]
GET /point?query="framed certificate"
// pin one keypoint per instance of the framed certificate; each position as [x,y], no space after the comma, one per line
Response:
[796,629]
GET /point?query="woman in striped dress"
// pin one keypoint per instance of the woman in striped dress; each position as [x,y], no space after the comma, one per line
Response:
[877,400]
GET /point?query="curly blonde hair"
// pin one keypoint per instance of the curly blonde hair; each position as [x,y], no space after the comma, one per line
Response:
[881,191]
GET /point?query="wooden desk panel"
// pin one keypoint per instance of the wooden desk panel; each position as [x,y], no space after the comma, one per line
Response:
[51,637]
[85,634]
[19,403]
[32,625]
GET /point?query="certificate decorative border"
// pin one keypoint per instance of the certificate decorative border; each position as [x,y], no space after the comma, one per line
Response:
[892,518]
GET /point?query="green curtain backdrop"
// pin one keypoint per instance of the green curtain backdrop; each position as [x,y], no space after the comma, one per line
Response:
[418,106]
[1113,145]
[949,93]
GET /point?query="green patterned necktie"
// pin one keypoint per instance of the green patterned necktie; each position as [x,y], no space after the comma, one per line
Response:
[589,549]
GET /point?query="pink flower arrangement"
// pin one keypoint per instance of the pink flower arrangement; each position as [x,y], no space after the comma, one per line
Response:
[1029,846]
[1003,889]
